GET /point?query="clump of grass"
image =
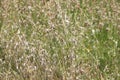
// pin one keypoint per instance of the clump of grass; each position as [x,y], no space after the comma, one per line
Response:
[59,40]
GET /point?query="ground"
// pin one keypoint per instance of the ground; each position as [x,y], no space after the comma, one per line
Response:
[59,40]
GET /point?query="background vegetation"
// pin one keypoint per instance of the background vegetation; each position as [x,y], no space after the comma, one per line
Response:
[59,40]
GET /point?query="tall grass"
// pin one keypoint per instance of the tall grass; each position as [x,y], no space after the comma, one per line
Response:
[59,40]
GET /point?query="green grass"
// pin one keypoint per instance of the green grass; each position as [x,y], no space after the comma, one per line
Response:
[59,40]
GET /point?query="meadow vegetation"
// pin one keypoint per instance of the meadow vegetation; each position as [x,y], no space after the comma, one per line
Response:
[59,40]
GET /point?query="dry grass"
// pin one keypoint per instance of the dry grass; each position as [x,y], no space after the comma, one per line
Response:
[59,40]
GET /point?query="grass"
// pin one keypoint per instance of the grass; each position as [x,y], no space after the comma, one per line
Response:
[59,40]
